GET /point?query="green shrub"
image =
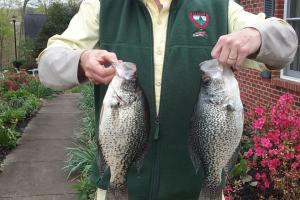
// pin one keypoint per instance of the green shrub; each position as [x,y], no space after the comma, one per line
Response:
[17,105]
[80,157]
[84,188]
[13,116]
[37,89]
[8,136]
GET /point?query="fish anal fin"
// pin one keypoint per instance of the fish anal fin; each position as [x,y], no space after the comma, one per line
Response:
[138,161]
[120,193]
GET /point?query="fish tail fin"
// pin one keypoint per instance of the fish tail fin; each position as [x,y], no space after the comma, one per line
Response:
[117,193]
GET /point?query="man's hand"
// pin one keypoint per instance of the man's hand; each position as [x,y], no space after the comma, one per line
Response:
[232,50]
[92,64]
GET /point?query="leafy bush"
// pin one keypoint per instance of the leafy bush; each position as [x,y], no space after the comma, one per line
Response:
[8,136]
[16,105]
[274,154]
[84,188]
[19,97]
[81,156]
[37,89]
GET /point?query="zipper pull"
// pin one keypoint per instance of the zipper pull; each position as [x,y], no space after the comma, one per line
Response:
[156,133]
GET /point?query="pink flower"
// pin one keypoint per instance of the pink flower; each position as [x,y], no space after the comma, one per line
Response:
[261,187]
[297,148]
[294,135]
[297,123]
[259,110]
[228,188]
[295,165]
[265,142]
[286,99]
[290,156]
[266,183]
[273,152]
[274,164]
[257,176]
[264,163]
[260,152]
[284,136]
[274,136]
[249,153]
[259,123]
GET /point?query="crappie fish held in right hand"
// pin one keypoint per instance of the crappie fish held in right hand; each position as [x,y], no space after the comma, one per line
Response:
[123,128]
[216,127]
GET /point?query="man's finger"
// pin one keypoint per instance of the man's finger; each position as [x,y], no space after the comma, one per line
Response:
[101,80]
[109,57]
[224,56]
[232,57]
[215,53]
[102,71]
[242,55]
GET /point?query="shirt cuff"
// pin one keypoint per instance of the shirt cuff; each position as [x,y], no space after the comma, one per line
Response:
[279,43]
[58,67]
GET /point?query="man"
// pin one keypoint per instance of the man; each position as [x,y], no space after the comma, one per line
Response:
[167,39]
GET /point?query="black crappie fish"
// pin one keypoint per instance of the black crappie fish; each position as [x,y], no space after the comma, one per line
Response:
[123,128]
[216,127]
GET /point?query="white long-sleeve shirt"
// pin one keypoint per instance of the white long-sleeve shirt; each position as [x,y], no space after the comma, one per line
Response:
[58,63]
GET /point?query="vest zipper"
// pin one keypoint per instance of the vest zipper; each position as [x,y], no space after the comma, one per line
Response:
[154,185]
[156,133]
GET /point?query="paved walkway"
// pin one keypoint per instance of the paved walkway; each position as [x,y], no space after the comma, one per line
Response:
[33,171]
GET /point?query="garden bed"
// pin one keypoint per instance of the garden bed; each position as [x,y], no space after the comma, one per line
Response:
[20,98]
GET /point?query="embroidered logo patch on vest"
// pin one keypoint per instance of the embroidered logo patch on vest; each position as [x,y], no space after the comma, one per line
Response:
[200,20]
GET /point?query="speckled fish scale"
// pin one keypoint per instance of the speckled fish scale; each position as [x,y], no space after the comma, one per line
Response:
[216,128]
[123,131]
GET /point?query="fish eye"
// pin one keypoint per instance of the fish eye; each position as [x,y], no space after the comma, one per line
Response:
[206,81]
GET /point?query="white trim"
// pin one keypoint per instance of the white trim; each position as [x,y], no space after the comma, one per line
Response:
[285,13]
[292,19]
[289,78]
[285,9]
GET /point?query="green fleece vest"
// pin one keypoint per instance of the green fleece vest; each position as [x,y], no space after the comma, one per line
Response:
[194,27]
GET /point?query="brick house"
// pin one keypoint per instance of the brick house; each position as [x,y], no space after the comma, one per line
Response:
[256,90]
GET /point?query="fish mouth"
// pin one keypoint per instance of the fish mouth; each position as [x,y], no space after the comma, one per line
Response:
[126,70]
[211,69]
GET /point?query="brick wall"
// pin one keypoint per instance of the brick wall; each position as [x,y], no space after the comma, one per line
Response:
[279,8]
[254,6]
[255,90]
[258,91]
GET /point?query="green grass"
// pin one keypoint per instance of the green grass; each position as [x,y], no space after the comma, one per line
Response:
[81,156]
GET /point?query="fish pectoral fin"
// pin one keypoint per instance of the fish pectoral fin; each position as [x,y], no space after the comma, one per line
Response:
[195,160]
[229,105]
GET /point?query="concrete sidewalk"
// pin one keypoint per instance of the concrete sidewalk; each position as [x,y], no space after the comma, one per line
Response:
[33,171]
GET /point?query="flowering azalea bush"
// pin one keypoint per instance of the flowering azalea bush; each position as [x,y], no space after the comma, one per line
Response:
[273,156]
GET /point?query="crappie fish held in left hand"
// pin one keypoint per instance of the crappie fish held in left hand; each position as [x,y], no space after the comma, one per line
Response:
[123,128]
[216,127]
